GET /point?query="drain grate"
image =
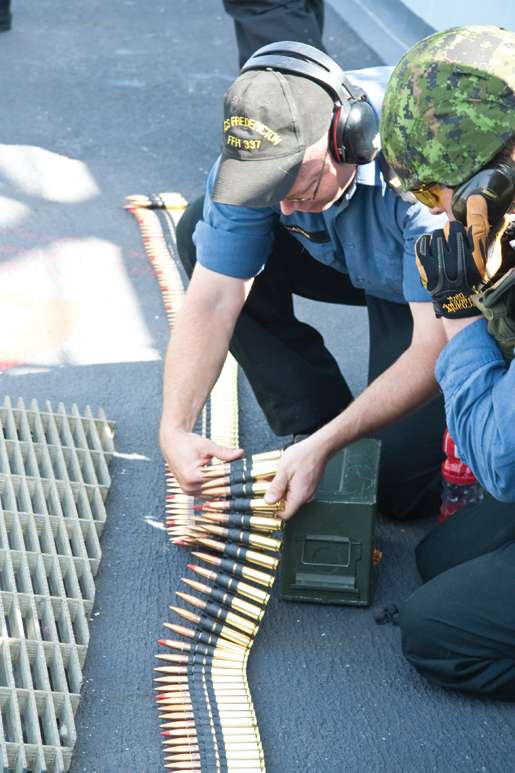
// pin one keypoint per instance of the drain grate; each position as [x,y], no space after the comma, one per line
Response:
[54,480]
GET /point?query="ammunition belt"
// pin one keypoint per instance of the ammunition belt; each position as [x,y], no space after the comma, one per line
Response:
[208,723]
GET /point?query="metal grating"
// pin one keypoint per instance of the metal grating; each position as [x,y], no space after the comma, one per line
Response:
[54,480]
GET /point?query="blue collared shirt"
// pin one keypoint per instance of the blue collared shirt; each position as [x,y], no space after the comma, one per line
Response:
[369,234]
[478,387]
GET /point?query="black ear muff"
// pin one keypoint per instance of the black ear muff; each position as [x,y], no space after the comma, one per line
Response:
[354,130]
[497,186]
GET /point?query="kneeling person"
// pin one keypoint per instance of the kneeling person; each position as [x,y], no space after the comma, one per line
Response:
[297,204]
[448,130]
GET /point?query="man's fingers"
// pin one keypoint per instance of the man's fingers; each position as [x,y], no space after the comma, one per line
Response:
[277,489]
[223,453]
[292,504]
[192,478]
[478,228]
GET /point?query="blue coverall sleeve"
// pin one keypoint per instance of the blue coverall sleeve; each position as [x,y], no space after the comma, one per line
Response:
[235,241]
[479,391]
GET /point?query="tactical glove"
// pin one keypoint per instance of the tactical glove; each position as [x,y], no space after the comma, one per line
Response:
[448,270]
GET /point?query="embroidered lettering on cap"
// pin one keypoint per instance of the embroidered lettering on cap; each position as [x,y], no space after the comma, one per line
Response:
[256,126]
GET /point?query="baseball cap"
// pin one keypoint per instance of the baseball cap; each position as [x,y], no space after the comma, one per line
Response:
[270,118]
[449,105]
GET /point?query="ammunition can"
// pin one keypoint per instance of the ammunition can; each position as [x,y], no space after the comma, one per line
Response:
[328,544]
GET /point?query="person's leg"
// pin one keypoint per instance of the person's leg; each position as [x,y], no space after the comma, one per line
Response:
[468,534]
[258,22]
[294,377]
[411,449]
[296,380]
[458,630]
[5,15]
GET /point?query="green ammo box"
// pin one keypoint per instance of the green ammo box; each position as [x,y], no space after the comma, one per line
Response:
[328,544]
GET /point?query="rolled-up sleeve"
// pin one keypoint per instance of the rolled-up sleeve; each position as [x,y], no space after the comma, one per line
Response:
[234,241]
[479,391]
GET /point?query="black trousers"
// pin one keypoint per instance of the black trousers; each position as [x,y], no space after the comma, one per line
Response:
[458,629]
[5,14]
[258,22]
[297,381]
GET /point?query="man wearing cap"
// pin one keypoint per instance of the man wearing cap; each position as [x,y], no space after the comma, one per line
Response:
[281,216]
[448,130]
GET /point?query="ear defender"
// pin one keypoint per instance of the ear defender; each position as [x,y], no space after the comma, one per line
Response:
[497,186]
[353,135]
[354,129]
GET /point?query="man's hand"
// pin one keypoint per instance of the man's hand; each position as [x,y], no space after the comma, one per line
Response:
[448,270]
[298,476]
[186,454]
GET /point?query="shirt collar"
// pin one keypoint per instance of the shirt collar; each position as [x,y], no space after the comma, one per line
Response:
[369,174]
[366,174]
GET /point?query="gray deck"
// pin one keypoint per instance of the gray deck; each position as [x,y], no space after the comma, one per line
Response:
[133,90]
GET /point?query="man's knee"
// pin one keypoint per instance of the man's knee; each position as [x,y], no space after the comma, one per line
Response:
[448,652]
[418,631]
[426,637]
[185,229]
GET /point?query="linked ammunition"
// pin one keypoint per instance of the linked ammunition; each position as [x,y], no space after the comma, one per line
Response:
[218,612]
[199,650]
[237,569]
[232,584]
[212,626]
[245,505]
[240,553]
[203,637]
[230,742]
[232,489]
[244,464]
[227,599]
[229,732]
[244,537]
[244,521]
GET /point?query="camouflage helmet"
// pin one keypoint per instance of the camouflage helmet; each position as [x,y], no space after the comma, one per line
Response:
[449,106]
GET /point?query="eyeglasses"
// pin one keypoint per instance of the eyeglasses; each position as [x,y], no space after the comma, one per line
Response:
[427,195]
[301,199]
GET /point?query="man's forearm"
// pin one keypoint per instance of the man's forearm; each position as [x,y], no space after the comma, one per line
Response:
[194,358]
[405,386]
